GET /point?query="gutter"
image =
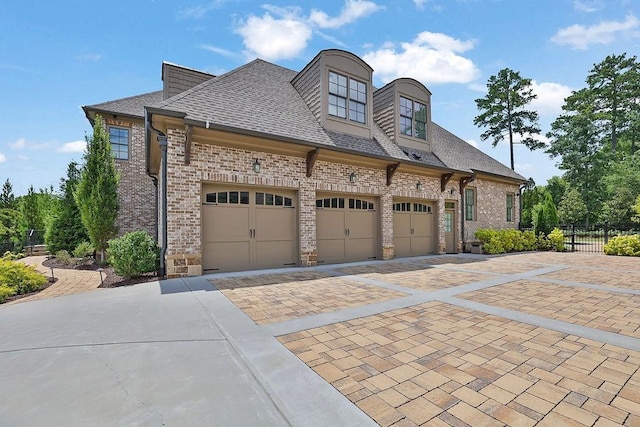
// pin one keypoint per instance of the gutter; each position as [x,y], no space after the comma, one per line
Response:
[162,140]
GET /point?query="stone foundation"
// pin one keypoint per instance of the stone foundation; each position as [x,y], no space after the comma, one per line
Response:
[183,265]
[388,252]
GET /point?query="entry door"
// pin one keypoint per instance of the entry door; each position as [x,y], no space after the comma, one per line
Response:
[450,230]
[346,228]
[412,228]
[245,229]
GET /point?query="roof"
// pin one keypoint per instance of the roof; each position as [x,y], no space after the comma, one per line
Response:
[132,106]
[458,154]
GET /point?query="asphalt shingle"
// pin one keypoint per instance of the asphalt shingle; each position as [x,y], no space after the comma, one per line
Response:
[132,106]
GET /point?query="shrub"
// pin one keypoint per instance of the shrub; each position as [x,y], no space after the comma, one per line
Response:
[623,245]
[556,238]
[83,250]
[133,254]
[8,255]
[502,241]
[544,244]
[20,277]
[63,256]
[6,292]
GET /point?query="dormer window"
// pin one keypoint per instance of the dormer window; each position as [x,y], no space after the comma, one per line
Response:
[413,118]
[345,91]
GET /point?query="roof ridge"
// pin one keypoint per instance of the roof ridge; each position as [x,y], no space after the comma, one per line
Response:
[126,98]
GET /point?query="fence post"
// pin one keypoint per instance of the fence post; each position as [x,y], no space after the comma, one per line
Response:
[573,237]
[606,233]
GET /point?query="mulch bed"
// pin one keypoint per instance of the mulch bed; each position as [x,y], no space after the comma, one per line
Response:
[110,278]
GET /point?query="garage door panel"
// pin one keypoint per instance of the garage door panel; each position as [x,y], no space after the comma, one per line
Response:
[362,224]
[274,224]
[331,250]
[228,256]
[402,246]
[361,249]
[422,224]
[330,224]
[274,253]
[222,223]
[413,228]
[401,225]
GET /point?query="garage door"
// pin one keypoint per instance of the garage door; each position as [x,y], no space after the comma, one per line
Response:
[413,228]
[245,229]
[347,228]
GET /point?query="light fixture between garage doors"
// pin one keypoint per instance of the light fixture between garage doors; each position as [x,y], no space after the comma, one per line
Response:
[256,166]
[353,177]
[419,186]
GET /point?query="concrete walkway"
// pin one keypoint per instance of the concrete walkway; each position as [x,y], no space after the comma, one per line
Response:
[68,281]
[525,339]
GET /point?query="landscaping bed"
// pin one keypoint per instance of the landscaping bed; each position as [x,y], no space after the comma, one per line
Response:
[110,278]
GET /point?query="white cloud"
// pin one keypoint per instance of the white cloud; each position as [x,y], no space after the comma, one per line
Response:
[73,147]
[351,11]
[472,142]
[89,57]
[198,12]
[606,32]
[3,158]
[526,167]
[274,38]
[431,58]
[420,3]
[219,51]
[550,99]
[18,144]
[588,6]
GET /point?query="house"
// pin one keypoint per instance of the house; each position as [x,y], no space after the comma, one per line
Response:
[265,167]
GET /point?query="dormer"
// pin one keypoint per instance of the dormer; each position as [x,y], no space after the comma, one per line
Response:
[336,85]
[176,79]
[402,108]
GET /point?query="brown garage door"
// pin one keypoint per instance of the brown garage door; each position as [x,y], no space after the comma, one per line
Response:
[245,229]
[413,228]
[346,228]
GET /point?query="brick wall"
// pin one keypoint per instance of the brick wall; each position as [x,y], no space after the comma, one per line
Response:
[491,206]
[212,163]
[136,192]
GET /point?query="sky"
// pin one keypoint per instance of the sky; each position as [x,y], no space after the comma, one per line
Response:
[58,56]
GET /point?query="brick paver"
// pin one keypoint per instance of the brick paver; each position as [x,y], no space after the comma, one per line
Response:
[595,276]
[68,281]
[437,362]
[608,311]
[275,298]
[428,280]
[487,265]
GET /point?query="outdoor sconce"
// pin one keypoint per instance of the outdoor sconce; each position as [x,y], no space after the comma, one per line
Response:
[256,166]
[419,186]
[352,177]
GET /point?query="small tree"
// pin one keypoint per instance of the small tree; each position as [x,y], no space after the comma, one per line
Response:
[31,211]
[503,111]
[66,230]
[97,192]
[572,209]
[545,216]
[636,209]
[7,199]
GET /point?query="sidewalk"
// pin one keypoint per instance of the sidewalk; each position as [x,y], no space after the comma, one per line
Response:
[68,281]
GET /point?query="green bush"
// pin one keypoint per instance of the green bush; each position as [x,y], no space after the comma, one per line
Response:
[83,250]
[8,255]
[133,254]
[556,238]
[63,256]
[20,277]
[6,292]
[623,245]
[544,244]
[503,241]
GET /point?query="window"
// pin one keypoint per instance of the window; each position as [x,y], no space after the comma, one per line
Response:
[355,97]
[469,204]
[119,138]
[510,198]
[413,118]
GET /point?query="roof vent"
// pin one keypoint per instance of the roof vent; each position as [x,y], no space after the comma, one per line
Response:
[415,156]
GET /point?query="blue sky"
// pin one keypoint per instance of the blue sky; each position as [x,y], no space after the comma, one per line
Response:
[57,56]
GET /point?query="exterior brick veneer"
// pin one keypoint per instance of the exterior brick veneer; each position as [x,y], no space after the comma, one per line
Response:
[136,192]
[213,163]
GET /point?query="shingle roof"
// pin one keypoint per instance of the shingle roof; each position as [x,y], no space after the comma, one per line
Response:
[131,106]
[458,154]
[256,97]
[423,157]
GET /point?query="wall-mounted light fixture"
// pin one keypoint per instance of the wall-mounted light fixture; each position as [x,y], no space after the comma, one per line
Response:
[419,186]
[256,166]
[353,177]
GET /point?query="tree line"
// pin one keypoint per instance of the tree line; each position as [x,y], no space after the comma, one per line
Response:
[594,141]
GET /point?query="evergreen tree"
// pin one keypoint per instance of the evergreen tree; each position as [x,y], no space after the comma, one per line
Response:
[66,230]
[572,209]
[31,211]
[503,111]
[97,191]
[7,199]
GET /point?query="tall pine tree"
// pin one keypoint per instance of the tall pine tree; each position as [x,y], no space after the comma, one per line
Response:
[97,192]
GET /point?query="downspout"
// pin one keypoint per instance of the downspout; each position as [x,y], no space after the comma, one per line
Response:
[520,188]
[162,141]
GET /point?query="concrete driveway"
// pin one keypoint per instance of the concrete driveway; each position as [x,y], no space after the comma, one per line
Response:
[525,339]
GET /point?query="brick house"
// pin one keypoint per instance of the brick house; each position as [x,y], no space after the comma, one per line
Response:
[265,167]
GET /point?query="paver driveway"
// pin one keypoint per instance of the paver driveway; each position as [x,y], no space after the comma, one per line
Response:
[526,339]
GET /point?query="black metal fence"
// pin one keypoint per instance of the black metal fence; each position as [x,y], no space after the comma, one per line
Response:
[33,237]
[578,238]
